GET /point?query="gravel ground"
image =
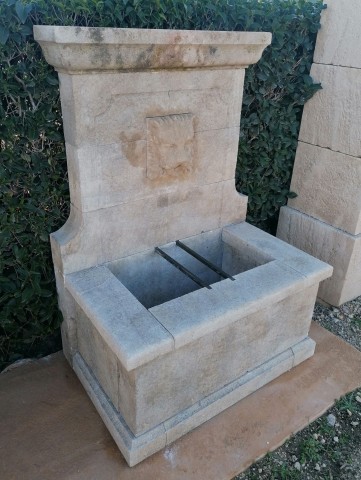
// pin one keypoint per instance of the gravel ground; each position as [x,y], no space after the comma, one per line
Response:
[344,321]
[329,448]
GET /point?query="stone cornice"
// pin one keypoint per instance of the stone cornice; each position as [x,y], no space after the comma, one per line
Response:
[84,49]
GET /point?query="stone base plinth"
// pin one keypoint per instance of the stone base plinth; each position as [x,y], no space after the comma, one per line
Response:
[332,245]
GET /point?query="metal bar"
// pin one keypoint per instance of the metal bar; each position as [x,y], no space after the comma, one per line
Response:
[184,270]
[206,262]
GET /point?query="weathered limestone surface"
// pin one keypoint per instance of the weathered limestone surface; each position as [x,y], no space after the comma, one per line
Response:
[338,41]
[151,122]
[135,449]
[216,359]
[328,185]
[214,335]
[143,49]
[112,160]
[93,238]
[334,246]
[325,217]
[127,327]
[158,390]
[332,117]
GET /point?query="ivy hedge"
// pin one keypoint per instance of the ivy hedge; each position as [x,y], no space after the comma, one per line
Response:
[34,197]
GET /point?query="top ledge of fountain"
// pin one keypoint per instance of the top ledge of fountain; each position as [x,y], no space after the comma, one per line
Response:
[77,49]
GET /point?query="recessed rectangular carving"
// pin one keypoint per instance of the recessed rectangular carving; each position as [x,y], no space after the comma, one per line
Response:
[170,145]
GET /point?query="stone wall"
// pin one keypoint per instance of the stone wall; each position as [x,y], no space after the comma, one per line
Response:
[325,218]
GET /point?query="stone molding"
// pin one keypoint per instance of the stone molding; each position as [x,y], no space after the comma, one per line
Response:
[81,49]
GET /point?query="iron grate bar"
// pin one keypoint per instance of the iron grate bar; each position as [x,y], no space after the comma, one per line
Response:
[184,270]
[203,260]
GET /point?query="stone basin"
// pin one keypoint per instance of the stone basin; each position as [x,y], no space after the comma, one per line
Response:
[151,124]
[159,355]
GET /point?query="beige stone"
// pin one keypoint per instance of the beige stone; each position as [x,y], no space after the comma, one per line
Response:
[134,449]
[68,327]
[338,41]
[202,312]
[92,238]
[111,169]
[170,146]
[334,246]
[231,393]
[211,361]
[137,448]
[125,325]
[143,95]
[328,185]
[102,176]
[332,117]
[216,335]
[260,244]
[136,49]
[151,127]
[99,358]
[327,172]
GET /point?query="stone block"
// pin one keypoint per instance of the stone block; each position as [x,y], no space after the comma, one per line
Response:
[334,246]
[216,335]
[127,327]
[338,41]
[211,360]
[67,307]
[214,97]
[98,356]
[143,49]
[245,237]
[332,117]
[328,185]
[303,350]
[104,176]
[92,238]
[134,449]
[137,448]
[202,312]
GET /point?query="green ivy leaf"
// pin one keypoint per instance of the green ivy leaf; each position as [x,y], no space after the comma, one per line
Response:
[4,35]
[52,80]
[22,11]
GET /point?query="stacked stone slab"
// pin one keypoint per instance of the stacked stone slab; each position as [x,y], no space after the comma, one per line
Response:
[325,218]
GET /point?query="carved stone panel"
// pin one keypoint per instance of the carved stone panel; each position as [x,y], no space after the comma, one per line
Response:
[170,145]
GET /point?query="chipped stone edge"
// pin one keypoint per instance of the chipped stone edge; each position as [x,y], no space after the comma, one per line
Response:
[135,449]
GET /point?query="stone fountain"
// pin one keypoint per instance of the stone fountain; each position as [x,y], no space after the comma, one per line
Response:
[174,307]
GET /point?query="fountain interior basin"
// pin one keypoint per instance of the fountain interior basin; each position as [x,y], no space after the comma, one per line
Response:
[153,280]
